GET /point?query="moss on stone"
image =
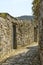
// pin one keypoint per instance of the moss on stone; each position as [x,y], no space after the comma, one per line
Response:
[3,15]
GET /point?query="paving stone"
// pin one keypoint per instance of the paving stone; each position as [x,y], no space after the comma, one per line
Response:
[5,64]
[29,58]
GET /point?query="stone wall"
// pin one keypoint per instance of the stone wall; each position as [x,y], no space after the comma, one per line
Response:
[25,33]
[10,38]
[5,36]
[41,31]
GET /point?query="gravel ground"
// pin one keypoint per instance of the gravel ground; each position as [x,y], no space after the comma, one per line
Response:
[31,57]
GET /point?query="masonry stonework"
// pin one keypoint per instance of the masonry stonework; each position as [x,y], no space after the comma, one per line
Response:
[5,36]
[15,33]
[41,31]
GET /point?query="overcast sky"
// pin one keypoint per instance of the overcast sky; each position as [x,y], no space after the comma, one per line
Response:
[16,7]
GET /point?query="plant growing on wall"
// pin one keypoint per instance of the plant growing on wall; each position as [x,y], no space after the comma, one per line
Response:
[35,8]
[3,15]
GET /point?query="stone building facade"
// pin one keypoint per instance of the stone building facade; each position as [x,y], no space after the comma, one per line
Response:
[16,33]
[41,31]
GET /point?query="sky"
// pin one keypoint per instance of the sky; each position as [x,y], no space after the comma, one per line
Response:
[16,7]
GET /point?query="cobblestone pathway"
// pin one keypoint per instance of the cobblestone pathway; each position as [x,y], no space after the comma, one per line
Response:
[31,57]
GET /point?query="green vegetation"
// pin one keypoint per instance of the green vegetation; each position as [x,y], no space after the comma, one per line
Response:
[25,17]
[36,6]
[3,15]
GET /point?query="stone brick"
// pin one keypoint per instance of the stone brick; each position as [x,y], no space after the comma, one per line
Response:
[13,38]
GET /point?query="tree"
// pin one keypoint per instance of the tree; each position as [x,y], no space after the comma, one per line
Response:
[35,8]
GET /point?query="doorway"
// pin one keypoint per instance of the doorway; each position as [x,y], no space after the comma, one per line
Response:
[14,37]
[35,34]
